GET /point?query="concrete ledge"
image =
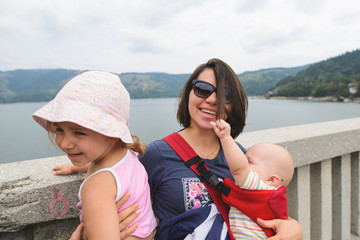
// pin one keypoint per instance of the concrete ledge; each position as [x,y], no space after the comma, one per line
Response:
[35,204]
[57,230]
[30,194]
[311,143]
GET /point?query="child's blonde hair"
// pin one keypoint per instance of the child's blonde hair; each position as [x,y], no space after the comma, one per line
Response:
[136,146]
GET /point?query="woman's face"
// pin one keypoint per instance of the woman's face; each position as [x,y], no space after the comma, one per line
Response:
[203,110]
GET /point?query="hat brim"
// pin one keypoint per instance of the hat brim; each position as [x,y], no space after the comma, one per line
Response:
[84,115]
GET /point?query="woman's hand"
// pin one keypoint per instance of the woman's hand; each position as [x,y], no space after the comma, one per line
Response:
[127,216]
[284,229]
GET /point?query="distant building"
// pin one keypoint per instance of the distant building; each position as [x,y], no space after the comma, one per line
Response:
[268,94]
[353,88]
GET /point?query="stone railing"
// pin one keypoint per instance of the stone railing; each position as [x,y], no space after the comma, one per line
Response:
[323,195]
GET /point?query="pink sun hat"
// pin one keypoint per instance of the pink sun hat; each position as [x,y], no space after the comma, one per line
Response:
[94,100]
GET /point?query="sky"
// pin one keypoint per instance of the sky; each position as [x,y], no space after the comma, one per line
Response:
[174,36]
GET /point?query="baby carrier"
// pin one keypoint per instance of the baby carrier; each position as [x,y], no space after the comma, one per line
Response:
[264,204]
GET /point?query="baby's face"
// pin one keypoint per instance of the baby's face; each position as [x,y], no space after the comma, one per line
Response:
[257,163]
[272,163]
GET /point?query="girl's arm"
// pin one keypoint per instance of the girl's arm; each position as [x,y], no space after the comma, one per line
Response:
[66,169]
[77,233]
[236,159]
[126,217]
[98,207]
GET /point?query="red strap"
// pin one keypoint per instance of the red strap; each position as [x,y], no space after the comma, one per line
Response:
[185,151]
[266,204]
[181,147]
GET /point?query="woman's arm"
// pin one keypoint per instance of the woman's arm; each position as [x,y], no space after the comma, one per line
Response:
[284,229]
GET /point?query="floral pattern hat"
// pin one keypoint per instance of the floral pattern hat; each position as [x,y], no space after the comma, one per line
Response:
[94,100]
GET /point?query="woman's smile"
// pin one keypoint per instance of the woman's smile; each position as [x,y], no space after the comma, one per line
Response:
[208,111]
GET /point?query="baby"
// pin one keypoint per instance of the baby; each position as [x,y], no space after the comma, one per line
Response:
[265,166]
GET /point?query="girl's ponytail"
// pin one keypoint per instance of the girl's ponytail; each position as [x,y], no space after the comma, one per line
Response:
[137,146]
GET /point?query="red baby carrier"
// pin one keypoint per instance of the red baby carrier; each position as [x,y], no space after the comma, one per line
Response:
[264,204]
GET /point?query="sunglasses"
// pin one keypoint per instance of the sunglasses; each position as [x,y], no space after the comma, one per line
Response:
[204,89]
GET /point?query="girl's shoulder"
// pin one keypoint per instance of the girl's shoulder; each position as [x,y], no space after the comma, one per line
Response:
[100,183]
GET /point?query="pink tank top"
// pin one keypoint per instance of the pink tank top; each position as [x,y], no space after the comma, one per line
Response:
[130,176]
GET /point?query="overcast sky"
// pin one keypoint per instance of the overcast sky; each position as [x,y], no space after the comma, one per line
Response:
[174,36]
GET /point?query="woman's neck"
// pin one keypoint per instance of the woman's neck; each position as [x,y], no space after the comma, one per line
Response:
[205,142]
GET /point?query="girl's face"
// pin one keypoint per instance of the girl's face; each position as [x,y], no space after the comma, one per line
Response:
[81,145]
[203,110]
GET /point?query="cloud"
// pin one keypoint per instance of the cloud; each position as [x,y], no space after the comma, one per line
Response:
[250,6]
[309,6]
[174,36]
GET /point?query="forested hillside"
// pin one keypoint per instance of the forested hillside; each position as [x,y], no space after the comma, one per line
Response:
[256,83]
[153,85]
[43,84]
[327,78]
[33,85]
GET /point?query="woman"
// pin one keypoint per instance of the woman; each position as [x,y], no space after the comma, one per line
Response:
[212,92]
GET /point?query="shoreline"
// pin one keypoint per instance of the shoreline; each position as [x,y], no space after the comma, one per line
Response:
[319,99]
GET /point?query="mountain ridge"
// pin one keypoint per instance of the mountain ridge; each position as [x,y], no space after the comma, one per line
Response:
[36,85]
[329,77]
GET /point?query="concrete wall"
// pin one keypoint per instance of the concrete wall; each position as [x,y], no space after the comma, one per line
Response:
[323,195]
[35,204]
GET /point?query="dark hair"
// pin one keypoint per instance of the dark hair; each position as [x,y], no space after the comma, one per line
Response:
[225,78]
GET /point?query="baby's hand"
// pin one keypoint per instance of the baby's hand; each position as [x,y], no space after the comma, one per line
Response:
[221,128]
[63,169]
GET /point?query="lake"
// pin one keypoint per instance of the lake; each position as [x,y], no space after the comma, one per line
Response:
[23,139]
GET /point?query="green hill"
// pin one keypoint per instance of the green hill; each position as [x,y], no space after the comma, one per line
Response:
[43,84]
[256,83]
[33,85]
[153,85]
[326,78]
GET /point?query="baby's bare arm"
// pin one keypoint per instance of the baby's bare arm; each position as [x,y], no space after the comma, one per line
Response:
[236,159]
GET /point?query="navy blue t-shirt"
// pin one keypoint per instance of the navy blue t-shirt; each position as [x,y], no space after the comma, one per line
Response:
[174,187]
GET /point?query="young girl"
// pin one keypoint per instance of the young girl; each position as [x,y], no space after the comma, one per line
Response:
[89,118]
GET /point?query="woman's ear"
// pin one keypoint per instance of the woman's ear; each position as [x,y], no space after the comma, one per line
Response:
[274,180]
